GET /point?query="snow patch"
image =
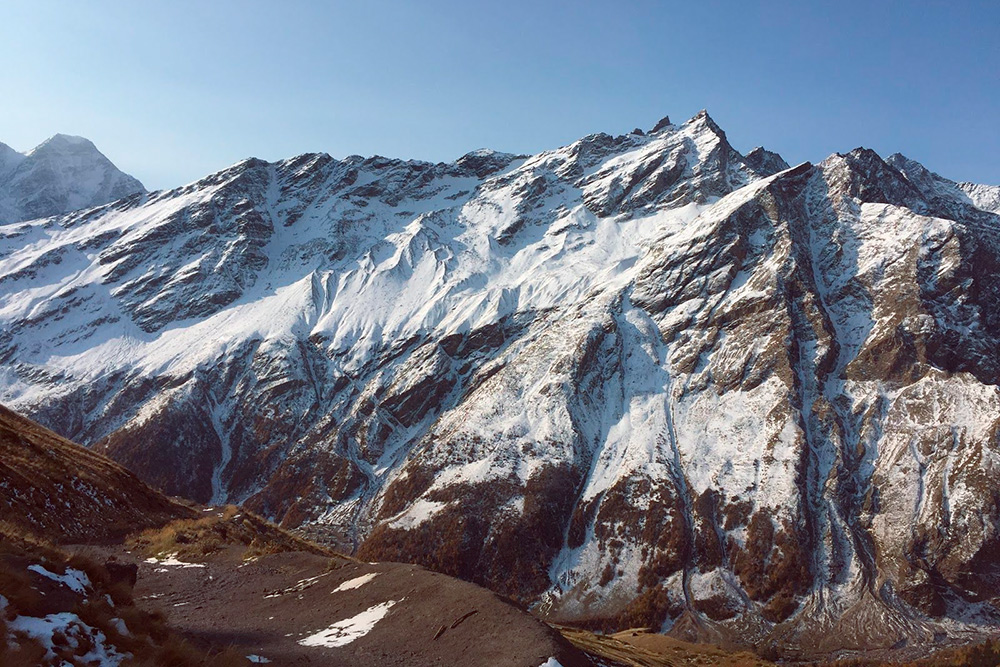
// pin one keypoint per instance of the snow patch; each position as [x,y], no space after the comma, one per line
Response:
[67,630]
[357,582]
[171,560]
[75,580]
[346,631]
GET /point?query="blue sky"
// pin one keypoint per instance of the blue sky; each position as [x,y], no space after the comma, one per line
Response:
[172,91]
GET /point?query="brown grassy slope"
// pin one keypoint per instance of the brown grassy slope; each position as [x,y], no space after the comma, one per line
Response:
[53,488]
[640,648]
[218,528]
[986,654]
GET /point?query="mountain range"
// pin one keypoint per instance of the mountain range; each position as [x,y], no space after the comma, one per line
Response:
[640,380]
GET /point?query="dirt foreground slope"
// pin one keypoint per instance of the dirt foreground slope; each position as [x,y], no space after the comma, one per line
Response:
[294,608]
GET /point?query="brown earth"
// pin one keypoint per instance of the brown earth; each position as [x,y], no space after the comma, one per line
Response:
[640,648]
[267,605]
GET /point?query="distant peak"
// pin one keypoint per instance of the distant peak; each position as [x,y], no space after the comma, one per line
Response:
[900,161]
[864,155]
[60,142]
[485,161]
[765,162]
[68,139]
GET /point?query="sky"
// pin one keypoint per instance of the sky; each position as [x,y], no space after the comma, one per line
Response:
[173,91]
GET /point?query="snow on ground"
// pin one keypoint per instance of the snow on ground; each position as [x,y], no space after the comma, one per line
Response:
[346,631]
[357,582]
[551,662]
[419,511]
[171,560]
[75,580]
[257,659]
[67,629]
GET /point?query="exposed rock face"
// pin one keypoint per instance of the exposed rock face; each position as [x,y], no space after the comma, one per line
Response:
[60,175]
[637,380]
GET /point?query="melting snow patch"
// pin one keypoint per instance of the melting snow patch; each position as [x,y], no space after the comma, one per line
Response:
[346,631]
[68,630]
[357,582]
[257,659]
[171,560]
[419,512]
[75,580]
[551,662]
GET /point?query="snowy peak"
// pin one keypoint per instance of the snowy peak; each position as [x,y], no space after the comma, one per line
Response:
[62,174]
[9,159]
[983,197]
[64,143]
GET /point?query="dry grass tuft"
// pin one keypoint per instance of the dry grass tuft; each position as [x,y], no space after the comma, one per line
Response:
[195,539]
[639,648]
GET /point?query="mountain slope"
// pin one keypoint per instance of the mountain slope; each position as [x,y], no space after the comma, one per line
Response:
[62,174]
[57,490]
[637,380]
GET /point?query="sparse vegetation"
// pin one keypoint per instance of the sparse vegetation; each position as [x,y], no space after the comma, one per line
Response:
[639,648]
[97,498]
[194,539]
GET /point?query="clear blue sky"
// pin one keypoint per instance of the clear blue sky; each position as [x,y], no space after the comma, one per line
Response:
[172,91]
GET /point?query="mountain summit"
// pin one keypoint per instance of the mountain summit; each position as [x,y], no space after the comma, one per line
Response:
[62,174]
[639,380]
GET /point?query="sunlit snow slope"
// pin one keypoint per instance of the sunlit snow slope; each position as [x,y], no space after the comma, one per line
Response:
[640,379]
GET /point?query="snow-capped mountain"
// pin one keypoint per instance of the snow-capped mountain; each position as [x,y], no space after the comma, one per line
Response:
[637,380]
[62,174]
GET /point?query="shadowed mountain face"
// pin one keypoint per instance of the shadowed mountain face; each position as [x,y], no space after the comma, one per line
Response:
[637,380]
[60,175]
